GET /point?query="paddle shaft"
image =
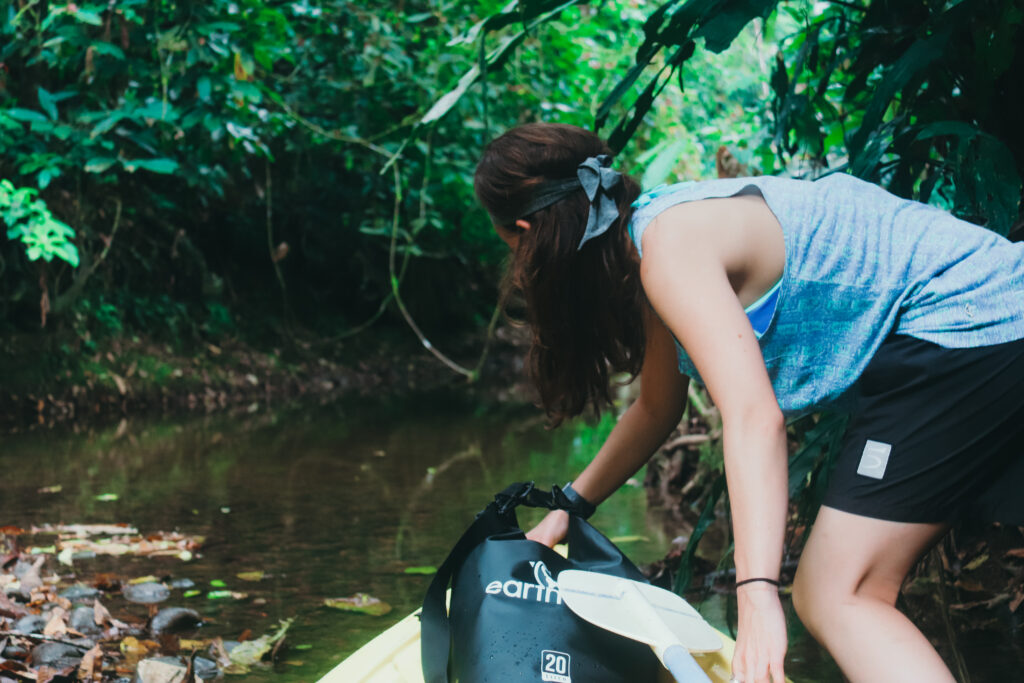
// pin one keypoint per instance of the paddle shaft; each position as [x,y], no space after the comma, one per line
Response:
[676,658]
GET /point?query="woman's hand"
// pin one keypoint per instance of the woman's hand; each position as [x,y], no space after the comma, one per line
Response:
[552,528]
[761,637]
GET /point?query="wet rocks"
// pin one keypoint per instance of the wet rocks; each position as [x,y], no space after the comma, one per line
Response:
[174,620]
[205,669]
[79,593]
[173,670]
[33,623]
[55,655]
[146,593]
[83,620]
[13,651]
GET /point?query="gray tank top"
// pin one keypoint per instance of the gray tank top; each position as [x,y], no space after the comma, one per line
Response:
[861,264]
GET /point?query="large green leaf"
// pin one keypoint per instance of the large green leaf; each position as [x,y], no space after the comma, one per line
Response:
[707,516]
[26,115]
[540,12]
[163,166]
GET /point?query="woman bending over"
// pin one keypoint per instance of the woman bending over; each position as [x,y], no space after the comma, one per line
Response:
[781,297]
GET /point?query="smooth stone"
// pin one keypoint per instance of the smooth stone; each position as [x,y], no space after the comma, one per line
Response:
[55,655]
[20,568]
[205,668]
[164,670]
[183,584]
[79,593]
[174,620]
[33,623]
[146,593]
[83,620]
[14,652]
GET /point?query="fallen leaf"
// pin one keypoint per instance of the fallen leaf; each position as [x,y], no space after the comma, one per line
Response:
[84,530]
[189,644]
[56,488]
[420,570]
[17,668]
[360,602]
[107,497]
[66,557]
[11,609]
[107,582]
[135,649]
[251,576]
[1016,552]
[45,674]
[976,562]
[144,579]
[628,539]
[217,583]
[30,581]
[91,666]
[56,626]
[244,655]
[222,594]
[100,614]
[970,585]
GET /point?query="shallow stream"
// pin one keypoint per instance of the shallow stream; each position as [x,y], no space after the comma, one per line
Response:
[325,501]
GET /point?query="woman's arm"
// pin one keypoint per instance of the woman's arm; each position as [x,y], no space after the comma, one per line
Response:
[639,432]
[688,255]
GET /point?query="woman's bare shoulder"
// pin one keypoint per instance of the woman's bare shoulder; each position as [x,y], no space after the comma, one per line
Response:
[739,233]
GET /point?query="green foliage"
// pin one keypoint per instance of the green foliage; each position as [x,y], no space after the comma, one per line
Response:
[30,222]
[913,95]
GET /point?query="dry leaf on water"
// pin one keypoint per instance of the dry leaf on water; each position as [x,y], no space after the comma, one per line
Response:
[91,666]
[360,602]
[56,626]
[100,614]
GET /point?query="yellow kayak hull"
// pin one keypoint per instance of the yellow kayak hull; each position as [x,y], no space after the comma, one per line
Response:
[394,657]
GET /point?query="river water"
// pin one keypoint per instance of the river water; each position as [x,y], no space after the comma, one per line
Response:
[327,501]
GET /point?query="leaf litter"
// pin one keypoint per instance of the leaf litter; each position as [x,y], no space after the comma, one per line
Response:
[54,626]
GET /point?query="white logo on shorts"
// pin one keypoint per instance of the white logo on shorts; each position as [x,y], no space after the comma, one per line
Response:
[874,459]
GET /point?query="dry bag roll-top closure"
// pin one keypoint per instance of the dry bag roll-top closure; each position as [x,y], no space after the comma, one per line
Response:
[506,621]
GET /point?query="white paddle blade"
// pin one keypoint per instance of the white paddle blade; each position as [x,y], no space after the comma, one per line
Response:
[604,601]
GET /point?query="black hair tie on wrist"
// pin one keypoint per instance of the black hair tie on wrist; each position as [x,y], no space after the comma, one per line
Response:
[580,505]
[746,581]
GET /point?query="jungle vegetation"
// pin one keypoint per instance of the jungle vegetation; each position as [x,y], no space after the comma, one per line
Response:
[298,172]
[183,169]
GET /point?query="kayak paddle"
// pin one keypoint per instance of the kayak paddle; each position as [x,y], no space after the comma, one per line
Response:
[644,613]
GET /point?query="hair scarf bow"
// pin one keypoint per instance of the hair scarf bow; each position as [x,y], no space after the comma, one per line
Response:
[596,178]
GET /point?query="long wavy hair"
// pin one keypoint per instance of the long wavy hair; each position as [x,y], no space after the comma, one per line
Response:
[585,308]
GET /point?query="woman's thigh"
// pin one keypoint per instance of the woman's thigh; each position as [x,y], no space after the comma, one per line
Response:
[851,556]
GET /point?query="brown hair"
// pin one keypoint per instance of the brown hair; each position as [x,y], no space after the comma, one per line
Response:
[585,308]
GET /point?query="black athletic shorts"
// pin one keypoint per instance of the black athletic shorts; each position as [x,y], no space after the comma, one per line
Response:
[936,434]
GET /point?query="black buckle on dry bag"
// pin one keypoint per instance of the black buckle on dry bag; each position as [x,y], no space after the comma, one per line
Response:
[514,495]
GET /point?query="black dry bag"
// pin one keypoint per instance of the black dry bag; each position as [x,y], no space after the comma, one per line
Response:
[506,620]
